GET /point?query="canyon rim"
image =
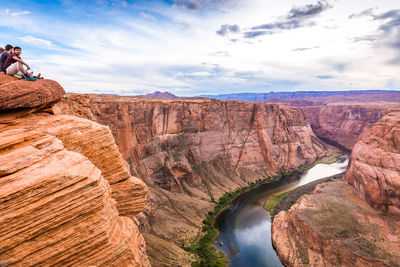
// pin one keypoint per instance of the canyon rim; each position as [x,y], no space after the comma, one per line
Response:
[202,133]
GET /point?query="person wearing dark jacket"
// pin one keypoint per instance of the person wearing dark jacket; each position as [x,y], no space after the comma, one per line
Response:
[4,55]
[15,65]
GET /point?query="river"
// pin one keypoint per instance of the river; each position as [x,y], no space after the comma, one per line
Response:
[245,228]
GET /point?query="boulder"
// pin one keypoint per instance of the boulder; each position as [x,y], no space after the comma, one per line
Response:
[19,94]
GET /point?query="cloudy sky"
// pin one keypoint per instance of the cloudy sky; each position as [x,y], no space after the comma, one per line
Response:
[194,47]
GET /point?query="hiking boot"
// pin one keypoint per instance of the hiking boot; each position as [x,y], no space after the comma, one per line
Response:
[27,78]
[18,76]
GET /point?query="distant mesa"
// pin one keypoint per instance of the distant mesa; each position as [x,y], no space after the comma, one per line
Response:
[160,95]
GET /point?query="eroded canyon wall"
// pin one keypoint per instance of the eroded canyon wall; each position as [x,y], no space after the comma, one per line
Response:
[57,205]
[344,120]
[344,124]
[374,169]
[190,151]
[354,223]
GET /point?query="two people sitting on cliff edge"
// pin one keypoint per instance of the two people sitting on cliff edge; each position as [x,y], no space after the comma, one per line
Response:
[12,64]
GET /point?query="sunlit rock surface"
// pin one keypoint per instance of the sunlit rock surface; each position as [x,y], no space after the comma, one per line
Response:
[333,227]
[192,150]
[354,223]
[374,170]
[24,94]
[57,205]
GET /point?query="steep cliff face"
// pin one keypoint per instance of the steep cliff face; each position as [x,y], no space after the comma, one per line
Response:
[374,169]
[344,120]
[333,226]
[344,124]
[58,208]
[245,134]
[192,150]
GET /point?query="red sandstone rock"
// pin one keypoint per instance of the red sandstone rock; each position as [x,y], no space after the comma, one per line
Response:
[333,227]
[24,94]
[344,124]
[6,78]
[246,134]
[374,169]
[77,107]
[56,208]
[188,150]
[344,120]
[96,142]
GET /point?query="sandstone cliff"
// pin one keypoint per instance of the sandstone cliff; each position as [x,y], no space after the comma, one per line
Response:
[374,169]
[190,151]
[333,226]
[57,205]
[344,124]
[344,120]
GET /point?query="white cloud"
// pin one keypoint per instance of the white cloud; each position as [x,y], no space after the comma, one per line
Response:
[21,13]
[136,55]
[36,41]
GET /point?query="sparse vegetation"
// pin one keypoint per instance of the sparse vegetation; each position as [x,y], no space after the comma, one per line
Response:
[273,201]
[285,200]
[204,248]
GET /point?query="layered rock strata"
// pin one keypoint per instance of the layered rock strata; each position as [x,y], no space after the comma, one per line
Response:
[96,142]
[346,124]
[374,169]
[333,227]
[354,223]
[57,206]
[344,120]
[191,151]
[16,93]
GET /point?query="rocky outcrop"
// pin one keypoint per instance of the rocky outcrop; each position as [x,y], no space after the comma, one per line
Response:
[374,169]
[344,120]
[23,94]
[96,142]
[57,208]
[190,151]
[333,227]
[57,205]
[6,78]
